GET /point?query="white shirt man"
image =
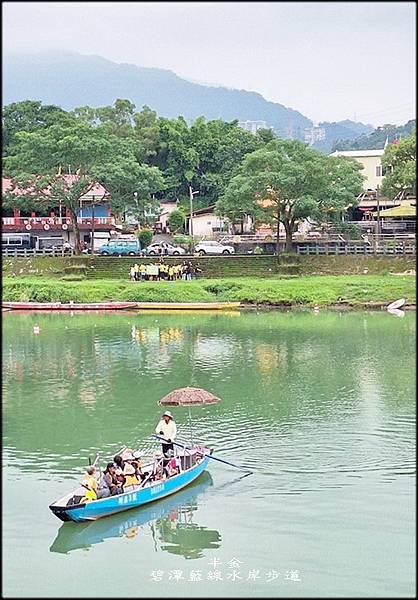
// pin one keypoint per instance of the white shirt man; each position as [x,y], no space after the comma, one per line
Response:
[167,429]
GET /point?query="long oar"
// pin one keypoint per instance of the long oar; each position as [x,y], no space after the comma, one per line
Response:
[208,455]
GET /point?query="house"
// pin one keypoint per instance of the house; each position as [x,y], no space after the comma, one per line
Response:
[206,223]
[57,222]
[370,199]
[166,208]
[372,166]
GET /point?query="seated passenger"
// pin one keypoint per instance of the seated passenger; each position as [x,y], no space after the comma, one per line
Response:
[173,465]
[137,463]
[158,467]
[108,484]
[131,480]
[89,483]
[118,463]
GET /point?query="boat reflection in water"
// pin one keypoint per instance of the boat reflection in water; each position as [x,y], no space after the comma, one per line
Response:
[170,521]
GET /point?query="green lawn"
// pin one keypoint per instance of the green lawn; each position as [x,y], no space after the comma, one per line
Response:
[299,291]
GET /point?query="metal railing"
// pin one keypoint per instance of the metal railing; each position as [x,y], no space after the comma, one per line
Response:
[25,252]
[56,220]
[399,248]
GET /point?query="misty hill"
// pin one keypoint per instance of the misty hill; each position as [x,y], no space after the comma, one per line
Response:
[376,140]
[70,80]
[342,131]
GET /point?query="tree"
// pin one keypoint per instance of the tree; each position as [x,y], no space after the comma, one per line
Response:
[131,186]
[399,162]
[176,220]
[145,237]
[29,115]
[286,181]
[147,133]
[94,154]
[239,202]
[220,147]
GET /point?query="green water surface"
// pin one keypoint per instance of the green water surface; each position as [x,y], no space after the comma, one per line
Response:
[320,406]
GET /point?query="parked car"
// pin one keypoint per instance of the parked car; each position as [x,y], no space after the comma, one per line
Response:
[121,247]
[211,247]
[158,248]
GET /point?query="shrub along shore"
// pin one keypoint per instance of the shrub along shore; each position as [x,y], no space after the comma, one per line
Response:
[321,290]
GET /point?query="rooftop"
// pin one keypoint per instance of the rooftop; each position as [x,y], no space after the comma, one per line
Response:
[358,153]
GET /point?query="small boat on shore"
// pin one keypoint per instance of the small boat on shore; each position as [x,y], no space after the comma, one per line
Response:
[67,306]
[95,509]
[396,305]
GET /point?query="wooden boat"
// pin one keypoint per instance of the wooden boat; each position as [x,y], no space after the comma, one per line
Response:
[96,509]
[73,536]
[68,306]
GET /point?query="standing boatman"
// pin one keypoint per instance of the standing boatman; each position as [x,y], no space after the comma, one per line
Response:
[167,428]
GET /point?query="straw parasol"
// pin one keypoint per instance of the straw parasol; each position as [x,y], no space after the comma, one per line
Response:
[189,396]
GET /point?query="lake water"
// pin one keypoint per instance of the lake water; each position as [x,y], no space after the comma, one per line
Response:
[320,406]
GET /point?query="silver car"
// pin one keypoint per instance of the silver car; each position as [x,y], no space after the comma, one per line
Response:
[211,247]
[164,248]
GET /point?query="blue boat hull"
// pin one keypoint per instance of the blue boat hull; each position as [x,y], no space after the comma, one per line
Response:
[96,509]
[74,536]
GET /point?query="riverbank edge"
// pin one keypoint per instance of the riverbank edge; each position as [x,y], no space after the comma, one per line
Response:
[375,306]
[341,292]
[339,306]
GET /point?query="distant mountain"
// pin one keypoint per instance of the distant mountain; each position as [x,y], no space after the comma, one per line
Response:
[69,80]
[376,140]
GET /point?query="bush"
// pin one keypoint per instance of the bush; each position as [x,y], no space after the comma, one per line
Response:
[182,240]
[145,237]
[351,230]
[176,220]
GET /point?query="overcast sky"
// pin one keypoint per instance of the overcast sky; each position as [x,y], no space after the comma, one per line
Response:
[329,60]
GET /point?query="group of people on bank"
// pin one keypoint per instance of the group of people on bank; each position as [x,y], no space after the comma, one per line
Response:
[128,472]
[164,272]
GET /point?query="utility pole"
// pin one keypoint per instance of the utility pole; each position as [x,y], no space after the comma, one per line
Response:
[378,209]
[191,194]
[92,229]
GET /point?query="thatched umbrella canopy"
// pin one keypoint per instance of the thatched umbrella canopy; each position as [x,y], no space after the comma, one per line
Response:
[188,396]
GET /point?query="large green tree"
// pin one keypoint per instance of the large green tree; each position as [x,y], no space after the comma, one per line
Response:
[130,152]
[29,116]
[94,154]
[286,181]
[399,162]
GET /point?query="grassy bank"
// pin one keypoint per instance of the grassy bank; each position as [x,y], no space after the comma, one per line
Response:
[213,267]
[354,290]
